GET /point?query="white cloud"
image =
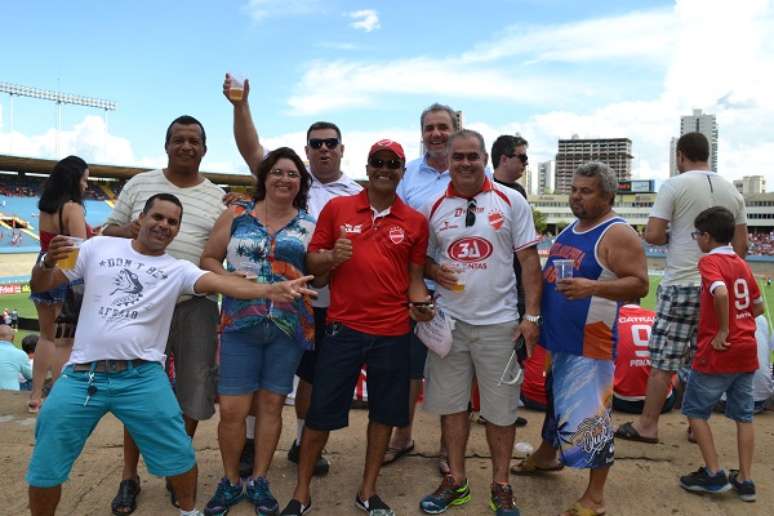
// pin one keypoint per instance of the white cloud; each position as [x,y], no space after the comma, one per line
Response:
[365,19]
[261,9]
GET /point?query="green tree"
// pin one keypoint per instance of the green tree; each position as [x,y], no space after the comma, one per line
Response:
[540,221]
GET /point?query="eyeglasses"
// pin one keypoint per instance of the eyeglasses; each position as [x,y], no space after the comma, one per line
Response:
[392,164]
[278,172]
[470,215]
[522,157]
[470,156]
[317,143]
[696,234]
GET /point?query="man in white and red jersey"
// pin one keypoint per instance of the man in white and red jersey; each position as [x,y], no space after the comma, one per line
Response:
[632,363]
[727,355]
[476,227]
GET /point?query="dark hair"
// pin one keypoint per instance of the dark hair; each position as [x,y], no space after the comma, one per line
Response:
[694,146]
[29,343]
[467,133]
[718,222]
[162,197]
[268,163]
[185,120]
[63,185]
[323,125]
[505,145]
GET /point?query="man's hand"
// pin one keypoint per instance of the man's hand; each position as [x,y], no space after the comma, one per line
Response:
[287,291]
[58,249]
[342,249]
[227,87]
[422,311]
[719,341]
[576,288]
[446,276]
[531,333]
[130,230]
[234,197]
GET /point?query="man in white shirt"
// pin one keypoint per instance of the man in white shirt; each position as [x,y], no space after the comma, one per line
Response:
[476,226]
[324,150]
[193,333]
[673,337]
[116,364]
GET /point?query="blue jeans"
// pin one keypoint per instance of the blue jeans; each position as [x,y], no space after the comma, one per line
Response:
[704,391]
[140,397]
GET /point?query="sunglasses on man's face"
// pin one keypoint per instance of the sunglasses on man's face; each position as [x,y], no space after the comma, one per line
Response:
[317,143]
[523,158]
[696,234]
[392,164]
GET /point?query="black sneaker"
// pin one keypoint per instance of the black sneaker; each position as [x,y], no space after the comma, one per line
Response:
[247,459]
[296,508]
[701,482]
[374,506]
[520,422]
[745,490]
[321,467]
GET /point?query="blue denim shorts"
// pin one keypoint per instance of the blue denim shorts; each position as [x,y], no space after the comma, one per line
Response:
[704,391]
[140,397]
[260,357]
[50,297]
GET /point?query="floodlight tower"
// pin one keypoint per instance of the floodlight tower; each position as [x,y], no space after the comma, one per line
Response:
[55,96]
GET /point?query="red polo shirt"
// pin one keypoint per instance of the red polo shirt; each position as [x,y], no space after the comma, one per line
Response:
[369,292]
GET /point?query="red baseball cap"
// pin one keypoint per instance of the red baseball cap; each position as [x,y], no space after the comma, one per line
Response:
[389,145]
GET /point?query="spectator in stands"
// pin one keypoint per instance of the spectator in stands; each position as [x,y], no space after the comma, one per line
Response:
[632,363]
[14,319]
[261,343]
[61,213]
[13,361]
[28,346]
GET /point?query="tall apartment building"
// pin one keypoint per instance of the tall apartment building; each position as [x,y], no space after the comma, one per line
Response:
[707,125]
[751,185]
[673,157]
[526,180]
[615,152]
[545,178]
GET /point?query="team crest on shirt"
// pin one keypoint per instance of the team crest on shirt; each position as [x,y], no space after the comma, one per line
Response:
[496,219]
[397,234]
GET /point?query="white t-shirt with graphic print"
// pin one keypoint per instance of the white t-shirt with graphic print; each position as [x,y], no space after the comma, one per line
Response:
[128,300]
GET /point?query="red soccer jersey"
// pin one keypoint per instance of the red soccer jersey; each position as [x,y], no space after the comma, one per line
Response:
[369,292]
[632,363]
[722,267]
[533,386]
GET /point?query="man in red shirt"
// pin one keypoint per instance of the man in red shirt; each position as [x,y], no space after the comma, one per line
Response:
[727,355]
[371,248]
[632,362]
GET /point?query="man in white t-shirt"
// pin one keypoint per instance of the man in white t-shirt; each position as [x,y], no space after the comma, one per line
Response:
[678,202]
[476,226]
[324,150]
[116,364]
[193,331]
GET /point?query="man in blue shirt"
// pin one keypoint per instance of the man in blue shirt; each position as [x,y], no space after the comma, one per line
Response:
[12,361]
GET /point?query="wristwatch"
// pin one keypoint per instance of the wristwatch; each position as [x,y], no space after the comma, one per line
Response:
[535,319]
[44,265]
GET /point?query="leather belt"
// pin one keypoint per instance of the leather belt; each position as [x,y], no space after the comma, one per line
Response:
[109,366]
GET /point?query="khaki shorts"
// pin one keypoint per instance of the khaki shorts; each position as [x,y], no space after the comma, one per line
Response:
[193,341]
[481,351]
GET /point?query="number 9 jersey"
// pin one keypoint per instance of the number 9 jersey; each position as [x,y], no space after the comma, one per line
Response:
[721,267]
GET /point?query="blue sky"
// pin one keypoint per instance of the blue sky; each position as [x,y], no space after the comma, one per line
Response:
[547,69]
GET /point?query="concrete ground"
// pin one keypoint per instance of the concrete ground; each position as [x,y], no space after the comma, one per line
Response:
[642,481]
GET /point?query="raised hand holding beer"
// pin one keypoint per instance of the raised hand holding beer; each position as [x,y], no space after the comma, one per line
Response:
[342,249]
[236,89]
[62,252]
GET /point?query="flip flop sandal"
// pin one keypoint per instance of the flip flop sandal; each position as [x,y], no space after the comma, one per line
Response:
[126,498]
[394,454]
[528,466]
[581,510]
[627,432]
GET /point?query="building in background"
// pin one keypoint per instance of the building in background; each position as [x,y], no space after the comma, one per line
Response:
[545,178]
[707,125]
[673,157]
[615,152]
[750,185]
[526,180]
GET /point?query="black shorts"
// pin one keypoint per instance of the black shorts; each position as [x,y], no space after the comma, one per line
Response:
[305,369]
[341,354]
[417,356]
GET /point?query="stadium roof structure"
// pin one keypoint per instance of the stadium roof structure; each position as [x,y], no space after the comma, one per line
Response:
[45,166]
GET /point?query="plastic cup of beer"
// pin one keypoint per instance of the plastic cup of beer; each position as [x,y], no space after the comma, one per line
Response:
[564,269]
[237,89]
[68,263]
[458,269]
